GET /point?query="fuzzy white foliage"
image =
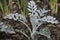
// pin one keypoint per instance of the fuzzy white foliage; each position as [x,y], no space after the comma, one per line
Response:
[15,17]
[35,18]
[45,32]
[32,6]
[6,28]
[50,19]
[37,21]
[42,12]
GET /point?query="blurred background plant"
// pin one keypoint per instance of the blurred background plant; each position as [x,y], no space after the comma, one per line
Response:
[10,4]
[7,5]
[19,4]
[24,6]
[54,6]
[38,1]
[1,7]
[4,7]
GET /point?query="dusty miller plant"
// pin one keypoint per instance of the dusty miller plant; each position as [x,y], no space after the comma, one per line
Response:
[6,28]
[36,21]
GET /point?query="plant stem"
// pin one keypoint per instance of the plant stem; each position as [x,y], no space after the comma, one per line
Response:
[26,25]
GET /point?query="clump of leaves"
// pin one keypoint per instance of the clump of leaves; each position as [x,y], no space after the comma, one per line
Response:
[54,6]
[1,7]
[19,4]
[6,28]
[10,3]
[15,17]
[22,5]
[37,18]
[4,7]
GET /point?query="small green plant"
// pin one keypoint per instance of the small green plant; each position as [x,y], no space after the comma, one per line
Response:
[19,4]
[1,7]
[5,7]
[38,1]
[24,6]
[10,3]
[54,6]
[25,9]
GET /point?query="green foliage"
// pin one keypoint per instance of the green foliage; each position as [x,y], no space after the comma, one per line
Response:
[5,6]
[22,3]
[19,3]
[1,6]
[25,9]
[54,6]
[10,3]
[24,6]
[38,1]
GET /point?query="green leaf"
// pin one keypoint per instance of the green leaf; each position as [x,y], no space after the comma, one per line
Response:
[1,6]
[19,5]
[54,6]
[5,6]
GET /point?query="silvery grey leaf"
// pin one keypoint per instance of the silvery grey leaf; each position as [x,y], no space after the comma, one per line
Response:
[42,12]
[50,19]
[1,23]
[45,32]
[32,7]
[16,17]
[6,28]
